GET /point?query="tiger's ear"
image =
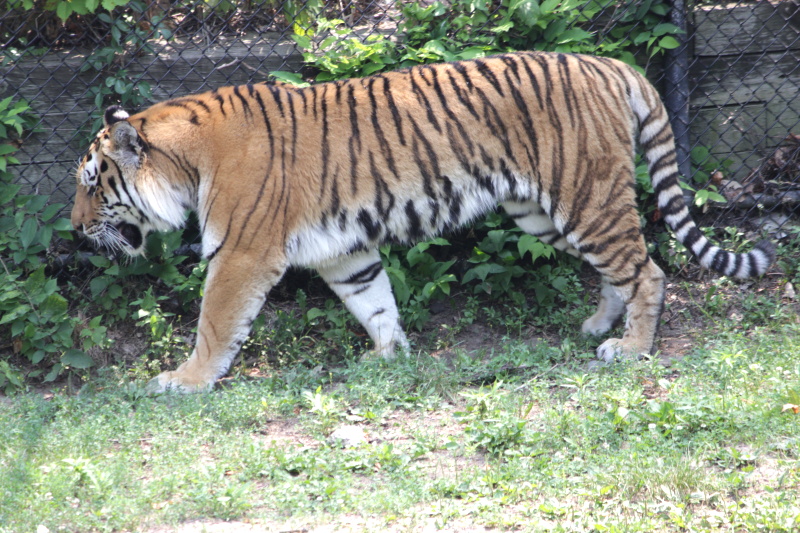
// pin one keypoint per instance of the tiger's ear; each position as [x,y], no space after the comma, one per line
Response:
[126,144]
[114,114]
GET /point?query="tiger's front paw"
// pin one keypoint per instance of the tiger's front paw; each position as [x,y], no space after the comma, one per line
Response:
[177,382]
[389,350]
[616,349]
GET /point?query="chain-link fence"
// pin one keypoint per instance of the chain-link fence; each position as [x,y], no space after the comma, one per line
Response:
[731,87]
[744,76]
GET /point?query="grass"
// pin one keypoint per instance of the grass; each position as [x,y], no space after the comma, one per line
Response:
[543,444]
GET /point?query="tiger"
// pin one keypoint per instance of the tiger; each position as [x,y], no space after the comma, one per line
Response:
[321,176]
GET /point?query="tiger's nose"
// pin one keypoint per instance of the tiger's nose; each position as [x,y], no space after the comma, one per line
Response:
[81,210]
[77,225]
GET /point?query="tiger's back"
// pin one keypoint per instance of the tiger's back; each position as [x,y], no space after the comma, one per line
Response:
[320,176]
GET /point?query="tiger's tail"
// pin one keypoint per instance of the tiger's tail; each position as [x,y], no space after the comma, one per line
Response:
[658,143]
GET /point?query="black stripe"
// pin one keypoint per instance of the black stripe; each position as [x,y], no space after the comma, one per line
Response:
[268,124]
[193,118]
[691,238]
[422,95]
[662,162]
[534,82]
[667,182]
[351,104]
[566,85]
[221,101]
[637,270]
[427,174]
[325,149]
[443,100]
[224,238]
[276,95]
[293,117]
[737,263]
[720,261]
[395,111]
[511,63]
[414,226]
[386,149]
[364,275]
[370,225]
[199,102]
[245,103]
[462,96]
[682,222]
[672,206]
[488,74]
[706,247]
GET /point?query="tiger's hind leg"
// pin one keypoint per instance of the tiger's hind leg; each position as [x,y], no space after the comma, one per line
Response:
[531,218]
[609,311]
[363,285]
[613,243]
[641,285]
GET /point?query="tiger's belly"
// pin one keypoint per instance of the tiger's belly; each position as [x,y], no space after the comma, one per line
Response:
[442,205]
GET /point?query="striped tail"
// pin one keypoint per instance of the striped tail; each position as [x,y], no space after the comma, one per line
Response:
[658,144]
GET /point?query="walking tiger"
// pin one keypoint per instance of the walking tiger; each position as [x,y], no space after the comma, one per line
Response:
[321,176]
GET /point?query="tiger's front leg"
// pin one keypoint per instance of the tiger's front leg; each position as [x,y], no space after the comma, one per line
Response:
[235,290]
[361,282]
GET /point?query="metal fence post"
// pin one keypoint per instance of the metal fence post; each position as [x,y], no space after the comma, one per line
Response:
[676,89]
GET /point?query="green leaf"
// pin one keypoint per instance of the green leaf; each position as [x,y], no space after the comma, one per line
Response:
[482,271]
[527,11]
[99,261]
[664,28]
[532,245]
[15,313]
[700,154]
[36,203]
[53,374]
[64,10]
[549,5]
[28,232]
[289,77]
[99,284]
[54,306]
[62,224]
[642,37]
[6,149]
[8,192]
[37,356]
[76,359]
[472,52]
[669,42]
[302,41]
[503,28]
[50,211]
[45,236]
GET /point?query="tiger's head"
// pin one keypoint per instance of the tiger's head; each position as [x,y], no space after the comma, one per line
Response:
[108,205]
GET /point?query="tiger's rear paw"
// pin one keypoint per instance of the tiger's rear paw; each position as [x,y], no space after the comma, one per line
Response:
[174,382]
[616,349]
[597,324]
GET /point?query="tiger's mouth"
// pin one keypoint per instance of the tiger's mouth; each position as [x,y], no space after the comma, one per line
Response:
[131,234]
